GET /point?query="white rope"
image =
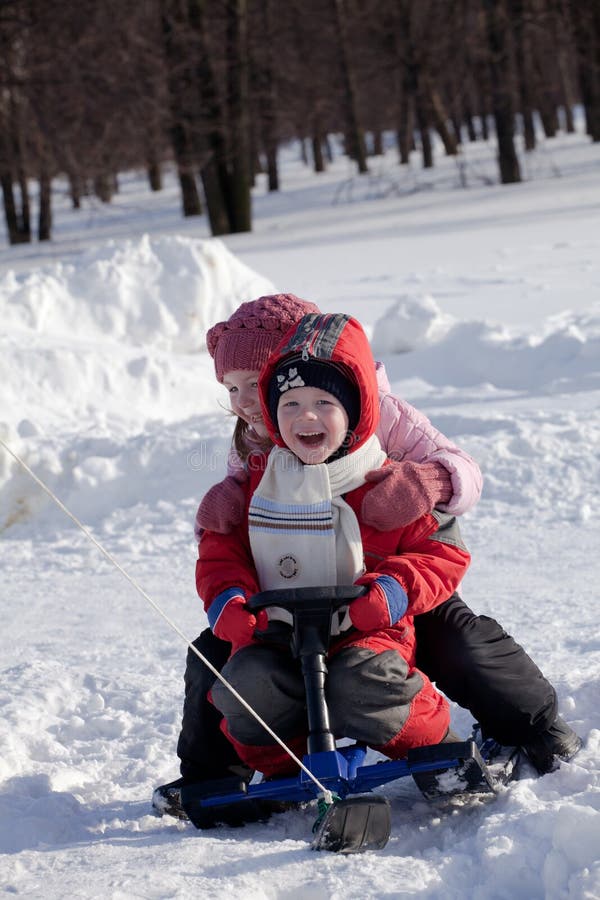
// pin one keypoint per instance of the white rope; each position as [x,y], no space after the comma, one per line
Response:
[326,793]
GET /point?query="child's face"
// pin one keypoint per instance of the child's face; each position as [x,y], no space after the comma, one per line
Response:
[242,386]
[312,423]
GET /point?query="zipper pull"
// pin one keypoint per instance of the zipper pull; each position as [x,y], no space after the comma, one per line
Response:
[305,354]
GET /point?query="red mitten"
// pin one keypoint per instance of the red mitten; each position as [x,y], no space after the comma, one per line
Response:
[382,606]
[403,492]
[231,620]
[222,507]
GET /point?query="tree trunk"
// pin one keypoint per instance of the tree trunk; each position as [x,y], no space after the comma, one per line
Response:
[265,86]
[227,179]
[238,187]
[405,125]
[586,21]
[218,215]
[423,126]
[457,125]
[377,149]
[75,189]
[524,74]
[563,48]
[501,89]
[272,169]
[45,210]
[354,131]
[25,208]
[470,122]
[485,130]
[181,90]
[440,120]
[103,187]
[154,175]
[303,150]
[190,198]
[17,224]
[421,115]
[317,150]
[191,204]
[549,117]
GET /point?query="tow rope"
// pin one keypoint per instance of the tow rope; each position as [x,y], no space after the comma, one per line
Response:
[327,795]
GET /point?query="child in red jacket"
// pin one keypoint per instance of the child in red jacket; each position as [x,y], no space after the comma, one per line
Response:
[303,527]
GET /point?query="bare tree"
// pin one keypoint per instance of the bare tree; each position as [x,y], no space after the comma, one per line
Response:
[355,136]
[501,69]
[89,89]
[586,29]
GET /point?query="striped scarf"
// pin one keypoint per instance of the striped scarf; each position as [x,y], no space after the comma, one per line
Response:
[302,533]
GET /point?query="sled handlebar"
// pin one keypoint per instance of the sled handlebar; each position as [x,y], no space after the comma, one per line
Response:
[328,597]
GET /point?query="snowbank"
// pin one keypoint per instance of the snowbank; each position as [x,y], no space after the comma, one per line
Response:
[90,379]
[95,351]
[563,354]
[152,292]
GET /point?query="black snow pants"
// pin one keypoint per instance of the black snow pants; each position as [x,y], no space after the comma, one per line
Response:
[470,658]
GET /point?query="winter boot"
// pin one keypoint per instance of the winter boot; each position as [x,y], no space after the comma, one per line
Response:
[558,743]
[166,798]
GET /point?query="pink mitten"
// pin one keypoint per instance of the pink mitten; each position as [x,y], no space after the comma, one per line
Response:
[403,492]
[384,603]
[222,507]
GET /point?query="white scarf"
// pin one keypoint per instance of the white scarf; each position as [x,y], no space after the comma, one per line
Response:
[302,533]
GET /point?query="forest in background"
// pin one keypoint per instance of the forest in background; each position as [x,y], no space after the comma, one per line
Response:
[92,88]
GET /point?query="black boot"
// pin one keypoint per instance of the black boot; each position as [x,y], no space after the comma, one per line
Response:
[558,743]
[167,800]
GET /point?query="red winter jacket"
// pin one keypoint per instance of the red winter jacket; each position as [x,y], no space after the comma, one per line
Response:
[427,557]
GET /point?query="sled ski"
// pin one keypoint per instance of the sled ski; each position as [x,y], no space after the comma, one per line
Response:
[356,820]
[467,773]
[478,767]
[352,826]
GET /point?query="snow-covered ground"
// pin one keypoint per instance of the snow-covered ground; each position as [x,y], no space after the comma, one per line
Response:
[484,304]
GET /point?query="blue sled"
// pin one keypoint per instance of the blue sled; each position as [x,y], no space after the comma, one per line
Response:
[357,819]
[342,772]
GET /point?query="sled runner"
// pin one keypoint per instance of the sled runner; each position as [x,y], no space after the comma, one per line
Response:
[351,818]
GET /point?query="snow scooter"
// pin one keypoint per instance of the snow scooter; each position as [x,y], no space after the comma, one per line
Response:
[353,819]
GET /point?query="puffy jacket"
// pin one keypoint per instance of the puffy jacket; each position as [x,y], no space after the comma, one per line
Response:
[406,433]
[427,557]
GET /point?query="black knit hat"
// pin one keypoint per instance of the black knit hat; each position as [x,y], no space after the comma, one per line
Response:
[294,372]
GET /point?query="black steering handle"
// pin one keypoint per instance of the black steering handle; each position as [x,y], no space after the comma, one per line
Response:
[330,597]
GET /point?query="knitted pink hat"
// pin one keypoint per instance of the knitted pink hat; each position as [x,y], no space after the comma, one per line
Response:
[251,333]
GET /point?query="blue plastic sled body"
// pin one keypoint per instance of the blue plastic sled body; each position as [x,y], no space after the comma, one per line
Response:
[342,772]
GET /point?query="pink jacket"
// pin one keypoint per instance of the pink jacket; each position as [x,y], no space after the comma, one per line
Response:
[405,433]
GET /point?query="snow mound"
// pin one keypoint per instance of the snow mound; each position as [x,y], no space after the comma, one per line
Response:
[564,355]
[410,323]
[160,292]
[96,350]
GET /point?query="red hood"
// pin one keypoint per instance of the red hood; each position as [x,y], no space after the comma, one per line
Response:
[335,338]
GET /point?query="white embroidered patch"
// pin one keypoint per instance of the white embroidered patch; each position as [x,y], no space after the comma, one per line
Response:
[293,380]
[288,566]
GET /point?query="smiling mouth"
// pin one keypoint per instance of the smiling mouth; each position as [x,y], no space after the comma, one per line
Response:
[311,438]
